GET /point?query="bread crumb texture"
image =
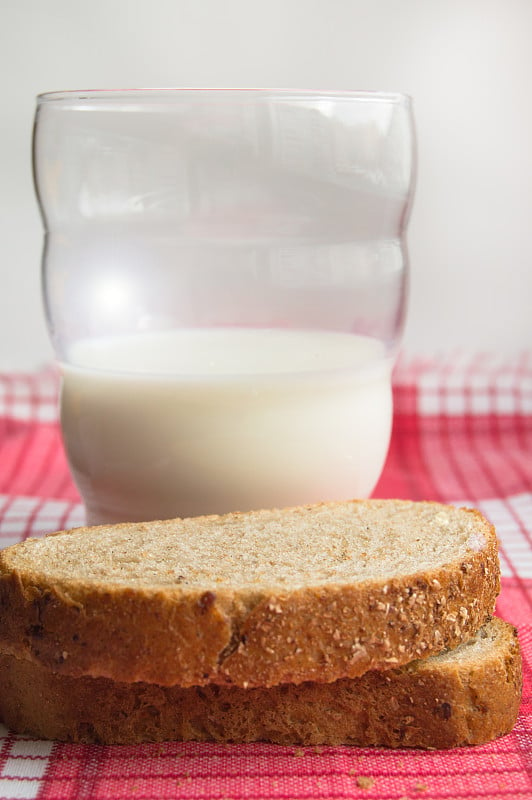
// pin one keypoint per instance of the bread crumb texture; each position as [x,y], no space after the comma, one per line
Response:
[323,544]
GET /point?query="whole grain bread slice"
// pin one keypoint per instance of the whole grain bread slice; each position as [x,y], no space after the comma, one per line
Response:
[467,696]
[314,593]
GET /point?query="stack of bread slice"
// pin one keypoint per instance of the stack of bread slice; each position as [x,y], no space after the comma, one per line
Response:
[364,622]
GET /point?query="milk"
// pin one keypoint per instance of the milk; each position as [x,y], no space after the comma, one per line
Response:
[188,422]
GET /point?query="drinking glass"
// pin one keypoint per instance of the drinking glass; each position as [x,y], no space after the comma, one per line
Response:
[224,280]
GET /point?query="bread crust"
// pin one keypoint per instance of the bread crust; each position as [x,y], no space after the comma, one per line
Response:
[438,703]
[246,637]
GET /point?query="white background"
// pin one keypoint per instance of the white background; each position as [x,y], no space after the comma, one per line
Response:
[467,64]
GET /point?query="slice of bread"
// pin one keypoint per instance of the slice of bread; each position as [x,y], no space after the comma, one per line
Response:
[314,593]
[466,696]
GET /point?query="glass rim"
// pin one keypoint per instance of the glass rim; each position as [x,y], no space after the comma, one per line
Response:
[147,96]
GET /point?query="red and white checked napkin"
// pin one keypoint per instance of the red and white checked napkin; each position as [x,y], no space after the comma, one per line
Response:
[462,434]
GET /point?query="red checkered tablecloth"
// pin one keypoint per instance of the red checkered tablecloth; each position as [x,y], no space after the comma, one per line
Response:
[462,434]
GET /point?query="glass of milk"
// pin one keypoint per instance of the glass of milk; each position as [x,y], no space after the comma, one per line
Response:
[224,278]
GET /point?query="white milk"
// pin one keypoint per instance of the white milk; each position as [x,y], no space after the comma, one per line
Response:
[181,423]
